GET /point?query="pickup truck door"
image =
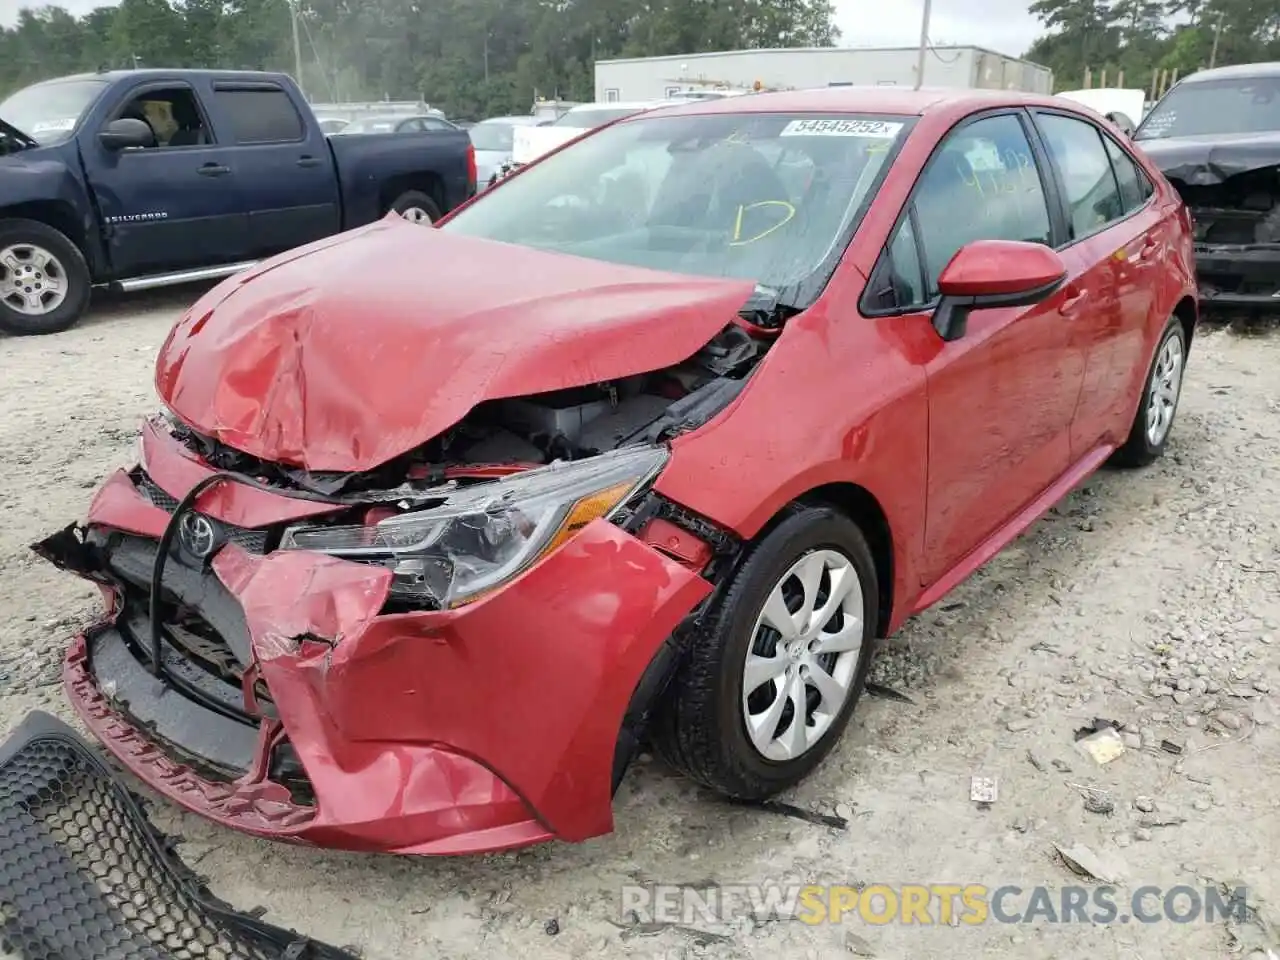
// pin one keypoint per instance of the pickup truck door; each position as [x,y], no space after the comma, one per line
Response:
[172,206]
[286,174]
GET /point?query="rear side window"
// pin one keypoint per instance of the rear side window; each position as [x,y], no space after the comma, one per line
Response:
[1135,188]
[261,115]
[1091,191]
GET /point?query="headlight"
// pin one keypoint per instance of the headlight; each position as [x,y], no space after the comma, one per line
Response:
[483,535]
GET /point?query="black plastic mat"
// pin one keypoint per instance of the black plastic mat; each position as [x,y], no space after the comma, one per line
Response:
[84,875]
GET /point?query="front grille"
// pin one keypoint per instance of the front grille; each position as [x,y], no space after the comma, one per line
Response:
[254,541]
[85,876]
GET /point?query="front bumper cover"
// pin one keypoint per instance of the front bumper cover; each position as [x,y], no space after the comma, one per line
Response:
[84,875]
[488,727]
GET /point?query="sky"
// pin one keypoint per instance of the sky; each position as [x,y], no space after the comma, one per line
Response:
[1003,25]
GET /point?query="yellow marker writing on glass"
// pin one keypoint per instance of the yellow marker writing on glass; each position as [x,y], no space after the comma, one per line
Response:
[737,240]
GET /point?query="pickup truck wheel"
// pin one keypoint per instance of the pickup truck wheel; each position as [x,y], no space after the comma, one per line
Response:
[416,207]
[44,280]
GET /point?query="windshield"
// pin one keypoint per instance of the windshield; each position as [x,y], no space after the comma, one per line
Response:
[590,119]
[49,112]
[1209,108]
[492,135]
[756,197]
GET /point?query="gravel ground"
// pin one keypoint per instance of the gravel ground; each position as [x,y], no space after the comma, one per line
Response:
[1148,598]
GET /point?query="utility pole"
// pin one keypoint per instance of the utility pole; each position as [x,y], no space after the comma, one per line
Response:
[297,47]
[924,42]
[1217,32]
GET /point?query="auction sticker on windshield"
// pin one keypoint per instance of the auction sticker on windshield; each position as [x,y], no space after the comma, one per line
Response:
[882,129]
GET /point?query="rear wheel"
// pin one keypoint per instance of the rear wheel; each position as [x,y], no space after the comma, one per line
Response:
[1160,395]
[416,207]
[770,682]
[44,280]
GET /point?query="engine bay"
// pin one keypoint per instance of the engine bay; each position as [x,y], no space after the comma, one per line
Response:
[507,435]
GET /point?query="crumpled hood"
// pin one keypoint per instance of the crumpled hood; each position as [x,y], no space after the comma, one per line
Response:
[1206,161]
[345,354]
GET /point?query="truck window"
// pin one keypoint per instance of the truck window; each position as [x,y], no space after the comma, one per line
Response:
[172,113]
[261,115]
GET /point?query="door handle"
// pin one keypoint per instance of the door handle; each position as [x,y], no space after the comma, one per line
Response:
[308,162]
[214,170]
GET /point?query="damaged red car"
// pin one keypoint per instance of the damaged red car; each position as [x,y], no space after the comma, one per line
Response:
[647,444]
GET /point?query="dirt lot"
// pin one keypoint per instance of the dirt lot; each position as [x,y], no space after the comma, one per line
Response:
[1150,598]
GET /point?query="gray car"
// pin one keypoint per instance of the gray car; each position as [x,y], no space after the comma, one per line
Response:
[414,123]
[492,139]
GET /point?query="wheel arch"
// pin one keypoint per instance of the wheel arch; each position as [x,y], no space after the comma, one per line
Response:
[395,187]
[861,506]
[1188,314]
[59,215]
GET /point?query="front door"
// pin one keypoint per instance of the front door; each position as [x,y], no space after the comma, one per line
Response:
[1001,398]
[172,206]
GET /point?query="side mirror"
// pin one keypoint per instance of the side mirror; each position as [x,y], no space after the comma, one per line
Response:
[994,273]
[127,133]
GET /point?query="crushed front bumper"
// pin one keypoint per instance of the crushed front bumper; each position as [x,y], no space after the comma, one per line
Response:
[488,727]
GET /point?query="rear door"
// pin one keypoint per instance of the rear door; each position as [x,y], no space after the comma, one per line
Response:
[286,172]
[173,206]
[1001,398]
[1114,240]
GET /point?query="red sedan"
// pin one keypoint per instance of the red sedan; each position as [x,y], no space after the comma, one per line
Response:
[649,443]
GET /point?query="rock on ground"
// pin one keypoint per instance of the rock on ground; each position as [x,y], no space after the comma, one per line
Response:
[1148,598]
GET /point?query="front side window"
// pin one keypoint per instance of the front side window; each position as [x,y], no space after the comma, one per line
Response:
[982,184]
[1214,108]
[1092,193]
[769,198]
[261,115]
[49,112]
[173,115]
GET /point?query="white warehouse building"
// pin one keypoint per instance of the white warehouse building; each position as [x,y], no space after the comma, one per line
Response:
[649,78]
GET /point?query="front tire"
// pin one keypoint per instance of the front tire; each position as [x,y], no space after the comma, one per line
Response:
[416,207]
[772,678]
[44,279]
[1161,392]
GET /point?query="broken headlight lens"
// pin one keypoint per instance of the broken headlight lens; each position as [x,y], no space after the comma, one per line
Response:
[483,535]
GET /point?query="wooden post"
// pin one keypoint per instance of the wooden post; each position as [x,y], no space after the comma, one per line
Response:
[1155,79]
[1088,78]
[1102,78]
[1120,79]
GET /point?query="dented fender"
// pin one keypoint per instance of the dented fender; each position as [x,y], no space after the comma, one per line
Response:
[531,681]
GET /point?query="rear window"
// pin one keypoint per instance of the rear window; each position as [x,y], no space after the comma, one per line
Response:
[1209,108]
[260,115]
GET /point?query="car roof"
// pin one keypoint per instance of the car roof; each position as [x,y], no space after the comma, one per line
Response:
[886,100]
[1240,71]
[516,120]
[168,73]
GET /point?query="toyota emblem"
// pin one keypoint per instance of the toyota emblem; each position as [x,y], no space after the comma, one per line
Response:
[198,535]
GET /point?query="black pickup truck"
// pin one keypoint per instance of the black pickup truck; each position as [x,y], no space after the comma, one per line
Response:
[148,178]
